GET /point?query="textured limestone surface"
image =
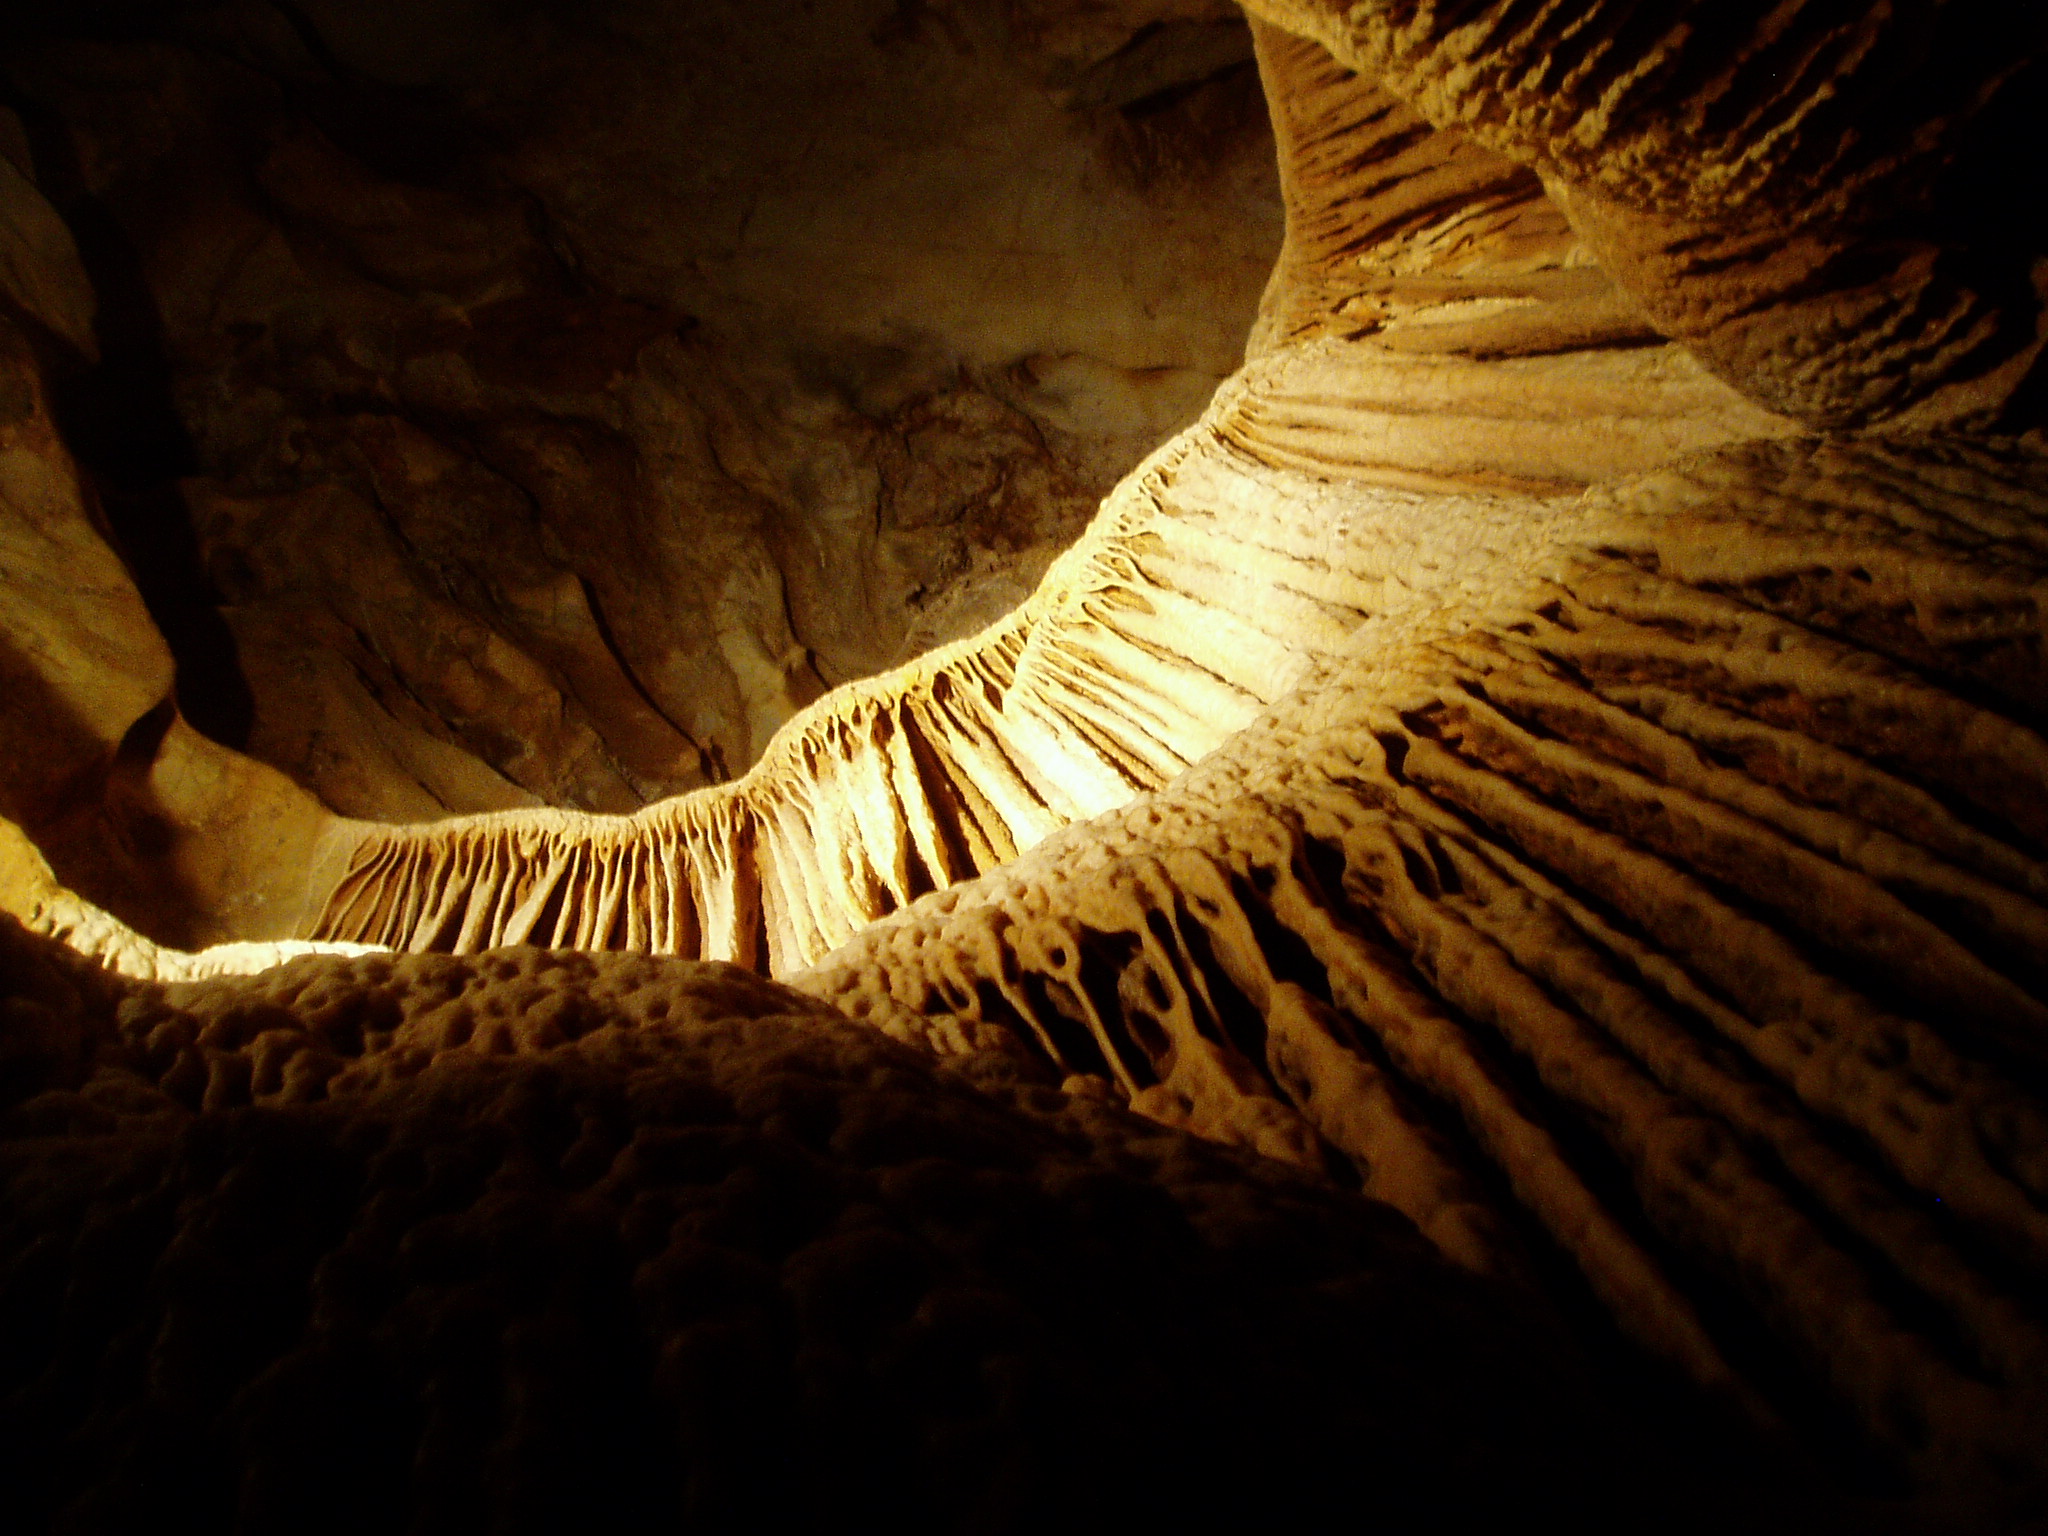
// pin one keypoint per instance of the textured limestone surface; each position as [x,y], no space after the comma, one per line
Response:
[1823,199]
[534,1242]
[32,895]
[1552,760]
[1662,936]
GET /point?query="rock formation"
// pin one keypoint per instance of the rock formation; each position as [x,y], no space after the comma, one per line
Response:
[1553,754]
[541,1241]
[541,410]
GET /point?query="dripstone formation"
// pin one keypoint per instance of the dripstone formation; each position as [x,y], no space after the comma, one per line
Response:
[1475,949]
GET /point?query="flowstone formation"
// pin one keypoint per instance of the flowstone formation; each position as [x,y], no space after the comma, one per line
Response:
[1551,763]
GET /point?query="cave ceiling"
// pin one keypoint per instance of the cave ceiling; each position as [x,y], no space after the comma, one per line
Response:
[691,672]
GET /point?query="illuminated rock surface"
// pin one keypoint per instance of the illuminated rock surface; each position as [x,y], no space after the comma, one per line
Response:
[1554,750]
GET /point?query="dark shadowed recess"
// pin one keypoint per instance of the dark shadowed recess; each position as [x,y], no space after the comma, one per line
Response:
[118,419]
[1991,204]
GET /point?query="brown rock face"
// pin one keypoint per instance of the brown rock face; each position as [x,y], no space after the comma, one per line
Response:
[557,405]
[1547,771]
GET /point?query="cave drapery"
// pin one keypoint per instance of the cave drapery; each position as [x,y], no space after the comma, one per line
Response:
[1511,852]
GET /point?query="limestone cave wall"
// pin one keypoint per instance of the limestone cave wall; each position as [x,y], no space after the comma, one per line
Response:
[1475,948]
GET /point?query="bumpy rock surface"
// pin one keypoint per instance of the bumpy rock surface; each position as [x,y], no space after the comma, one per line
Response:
[538,1242]
[1636,925]
[1820,199]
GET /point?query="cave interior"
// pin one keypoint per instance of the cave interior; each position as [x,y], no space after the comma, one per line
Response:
[1022,765]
